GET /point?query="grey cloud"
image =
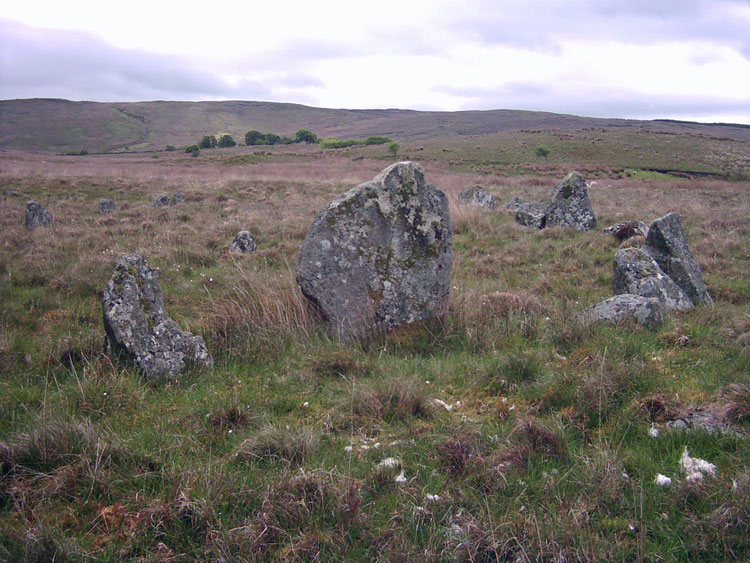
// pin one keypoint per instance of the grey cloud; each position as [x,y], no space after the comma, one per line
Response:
[544,24]
[611,102]
[77,65]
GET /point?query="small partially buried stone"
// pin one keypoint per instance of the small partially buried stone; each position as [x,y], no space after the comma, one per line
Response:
[646,311]
[627,229]
[162,201]
[139,330]
[166,201]
[476,195]
[380,255]
[636,272]
[36,215]
[532,214]
[243,242]
[106,206]
[667,245]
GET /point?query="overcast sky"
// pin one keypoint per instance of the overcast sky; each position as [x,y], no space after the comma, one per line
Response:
[684,59]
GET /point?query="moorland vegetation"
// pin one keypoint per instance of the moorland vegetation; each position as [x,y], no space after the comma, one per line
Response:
[507,431]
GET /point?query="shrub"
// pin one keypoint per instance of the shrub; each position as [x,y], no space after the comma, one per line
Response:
[541,151]
[226,141]
[192,148]
[170,148]
[393,148]
[334,143]
[207,142]
[377,140]
[273,139]
[306,136]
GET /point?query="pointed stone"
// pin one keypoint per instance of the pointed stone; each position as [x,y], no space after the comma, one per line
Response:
[569,205]
[667,245]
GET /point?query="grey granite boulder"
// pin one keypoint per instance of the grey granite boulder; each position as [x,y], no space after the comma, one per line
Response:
[667,245]
[36,215]
[514,204]
[646,311]
[139,330]
[627,229]
[476,195]
[380,255]
[532,214]
[570,206]
[243,242]
[106,206]
[636,272]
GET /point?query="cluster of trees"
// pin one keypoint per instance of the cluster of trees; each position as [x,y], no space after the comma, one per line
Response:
[254,137]
[210,142]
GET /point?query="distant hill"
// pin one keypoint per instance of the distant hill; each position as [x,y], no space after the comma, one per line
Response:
[61,125]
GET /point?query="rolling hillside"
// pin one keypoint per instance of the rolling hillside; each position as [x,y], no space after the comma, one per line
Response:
[60,125]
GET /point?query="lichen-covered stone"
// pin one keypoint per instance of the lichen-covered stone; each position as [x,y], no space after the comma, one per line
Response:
[637,273]
[514,204]
[476,195]
[666,244]
[243,242]
[36,215]
[532,214]
[627,229]
[569,205]
[646,311]
[139,330]
[106,206]
[380,255]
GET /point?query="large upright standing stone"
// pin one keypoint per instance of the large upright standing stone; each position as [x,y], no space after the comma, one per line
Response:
[380,255]
[637,273]
[36,215]
[569,205]
[139,329]
[667,245]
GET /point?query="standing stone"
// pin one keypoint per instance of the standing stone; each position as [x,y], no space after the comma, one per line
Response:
[532,214]
[178,197]
[476,195]
[139,329]
[243,242]
[627,229]
[106,206]
[36,215]
[380,255]
[646,311]
[569,205]
[637,273]
[666,244]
